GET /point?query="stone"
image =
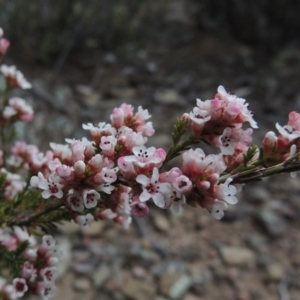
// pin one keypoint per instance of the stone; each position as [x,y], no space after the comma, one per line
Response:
[167,281]
[95,228]
[139,272]
[274,272]
[258,195]
[168,97]
[161,223]
[82,284]
[175,284]
[272,223]
[180,287]
[101,275]
[139,290]
[237,256]
[123,93]
[190,297]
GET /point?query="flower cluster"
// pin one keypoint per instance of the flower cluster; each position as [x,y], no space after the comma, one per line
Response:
[37,272]
[279,149]
[115,174]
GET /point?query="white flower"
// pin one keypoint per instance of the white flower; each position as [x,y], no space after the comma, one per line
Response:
[199,116]
[85,220]
[288,132]
[143,156]
[152,188]
[46,290]
[217,209]
[20,287]
[51,187]
[90,198]
[226,142]
[13,74]
[227,192]
[76,202]
[49,274]
[177,199]
[48,242]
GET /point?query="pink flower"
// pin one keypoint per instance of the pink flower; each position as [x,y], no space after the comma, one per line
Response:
[28,270]
[108,144]
[4,44]
[97,131]
[139,209]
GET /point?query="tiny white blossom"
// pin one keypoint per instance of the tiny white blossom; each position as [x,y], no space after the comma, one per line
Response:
[152,188]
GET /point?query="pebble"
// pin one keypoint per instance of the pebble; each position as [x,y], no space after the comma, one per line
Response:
[190,297]
[273,224]
[161,223]
[139,272]
[237,256]
[258,195]
[167,281]
[139,290]
[274,272]
[180,287]
[256,242]
[82,284]
[95,228]
[168,96]
[101,275]
[123,93]
[175,284]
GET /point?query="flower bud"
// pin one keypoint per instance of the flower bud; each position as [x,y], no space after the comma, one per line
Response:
[139,209]
[79,168]
[269,143]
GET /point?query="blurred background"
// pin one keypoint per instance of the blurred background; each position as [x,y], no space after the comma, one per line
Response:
[86,57]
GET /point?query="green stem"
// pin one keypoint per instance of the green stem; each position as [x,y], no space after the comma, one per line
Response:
[257,174]
[175,150]
[29,220]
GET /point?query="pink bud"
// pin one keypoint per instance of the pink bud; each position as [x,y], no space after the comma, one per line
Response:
[139,209]
[185,117]
[161,153]
[203,185]
[214,178]
[4,44]
[78,151]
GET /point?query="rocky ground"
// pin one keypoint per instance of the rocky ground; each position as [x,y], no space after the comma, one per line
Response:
[253,253]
